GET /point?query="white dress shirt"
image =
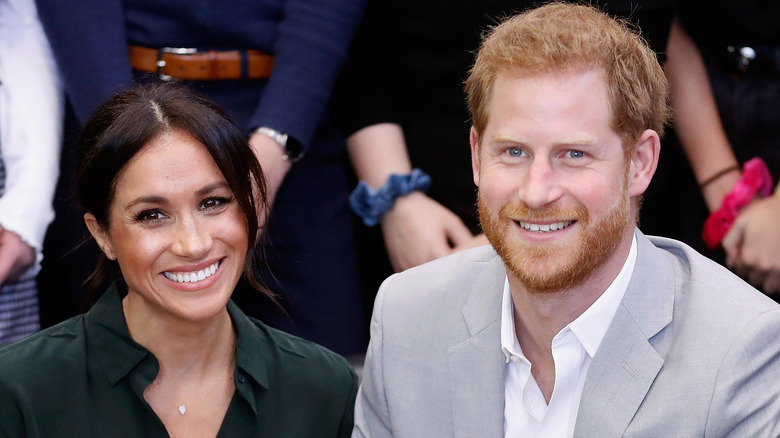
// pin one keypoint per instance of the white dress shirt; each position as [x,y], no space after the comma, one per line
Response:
[31,112]
[526,413]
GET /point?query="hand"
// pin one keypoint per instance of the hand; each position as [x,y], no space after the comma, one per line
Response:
[418,229]
[16,257]
[753,244]
[475,241]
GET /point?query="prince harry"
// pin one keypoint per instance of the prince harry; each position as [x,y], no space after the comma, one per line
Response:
[572,322]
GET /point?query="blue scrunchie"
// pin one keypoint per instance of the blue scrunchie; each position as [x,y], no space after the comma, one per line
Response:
[372,204]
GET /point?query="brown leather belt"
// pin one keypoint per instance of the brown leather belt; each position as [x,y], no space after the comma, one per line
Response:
[193,65]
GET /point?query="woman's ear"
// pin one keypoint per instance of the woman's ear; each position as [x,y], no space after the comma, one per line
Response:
[100,235]
[644,161]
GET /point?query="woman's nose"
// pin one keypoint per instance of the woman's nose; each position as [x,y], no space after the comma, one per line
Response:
[191,240]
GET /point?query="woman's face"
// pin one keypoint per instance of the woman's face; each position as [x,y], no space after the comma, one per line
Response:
[176,230]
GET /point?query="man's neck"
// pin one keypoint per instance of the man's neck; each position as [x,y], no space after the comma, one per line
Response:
[539,317]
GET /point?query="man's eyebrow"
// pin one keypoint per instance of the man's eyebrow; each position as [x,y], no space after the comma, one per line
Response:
[577,142]
[573,141]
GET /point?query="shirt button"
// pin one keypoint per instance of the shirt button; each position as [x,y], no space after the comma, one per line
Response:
[241,378]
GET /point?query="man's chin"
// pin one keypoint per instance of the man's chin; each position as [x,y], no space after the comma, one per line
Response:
[547,274]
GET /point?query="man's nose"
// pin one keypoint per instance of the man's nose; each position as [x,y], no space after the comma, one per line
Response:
[191,240]
[539,186]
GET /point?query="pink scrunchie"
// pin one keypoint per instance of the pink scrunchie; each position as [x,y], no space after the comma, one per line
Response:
[755,181]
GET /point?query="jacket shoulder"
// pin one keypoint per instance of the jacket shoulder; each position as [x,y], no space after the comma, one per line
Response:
[701,278]
[448,279]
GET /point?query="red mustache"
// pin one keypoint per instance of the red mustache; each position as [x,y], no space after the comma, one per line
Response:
[521,212]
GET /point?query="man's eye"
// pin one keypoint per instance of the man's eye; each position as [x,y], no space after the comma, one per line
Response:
[150,216]
[575,154]
[515,152]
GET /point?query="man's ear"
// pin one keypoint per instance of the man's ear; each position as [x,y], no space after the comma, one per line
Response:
[644,161]
[474,140]
[100,235]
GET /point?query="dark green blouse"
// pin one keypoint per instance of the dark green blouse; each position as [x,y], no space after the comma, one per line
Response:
[85,378]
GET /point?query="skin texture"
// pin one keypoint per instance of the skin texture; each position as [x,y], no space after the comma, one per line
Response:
[549,155]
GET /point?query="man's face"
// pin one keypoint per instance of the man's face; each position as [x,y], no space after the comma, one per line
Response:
[553,180]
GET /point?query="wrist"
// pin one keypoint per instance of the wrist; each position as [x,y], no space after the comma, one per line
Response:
[715,192]
[372,204]
[756,181]
[404,206]
[291,148]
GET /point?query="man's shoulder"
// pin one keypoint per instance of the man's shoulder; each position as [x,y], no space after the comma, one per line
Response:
[701,322]
[442,301]
[451,277]
[698,275]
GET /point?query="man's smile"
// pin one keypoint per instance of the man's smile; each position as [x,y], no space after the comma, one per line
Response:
[544,228]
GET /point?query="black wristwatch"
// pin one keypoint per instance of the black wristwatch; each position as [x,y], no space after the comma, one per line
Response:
[293,149]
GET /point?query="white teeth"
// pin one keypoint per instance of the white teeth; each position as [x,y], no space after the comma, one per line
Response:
[191,277]
[545,228]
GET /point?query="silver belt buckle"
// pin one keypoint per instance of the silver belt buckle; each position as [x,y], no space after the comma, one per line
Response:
[174,50]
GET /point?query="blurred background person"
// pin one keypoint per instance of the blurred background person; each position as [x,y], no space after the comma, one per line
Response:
[171,191]
[31,108]
[271,64]
[724,68]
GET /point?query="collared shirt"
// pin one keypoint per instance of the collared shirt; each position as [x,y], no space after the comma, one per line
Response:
[526,413]
[86,377]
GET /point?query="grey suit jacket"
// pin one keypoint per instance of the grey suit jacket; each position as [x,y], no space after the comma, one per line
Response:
[692,351]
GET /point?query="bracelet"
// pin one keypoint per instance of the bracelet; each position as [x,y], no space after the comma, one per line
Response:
[717,175]
[371,204]
[755,181]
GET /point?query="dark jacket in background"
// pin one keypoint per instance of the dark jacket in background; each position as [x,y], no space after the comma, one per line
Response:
[311,252]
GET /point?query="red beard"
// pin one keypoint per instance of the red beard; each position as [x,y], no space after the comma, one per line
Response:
[544,267]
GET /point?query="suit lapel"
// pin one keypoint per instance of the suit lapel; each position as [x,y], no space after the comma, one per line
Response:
[476,365]
[626,362]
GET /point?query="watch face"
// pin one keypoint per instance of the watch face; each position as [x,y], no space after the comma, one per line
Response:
[293,149]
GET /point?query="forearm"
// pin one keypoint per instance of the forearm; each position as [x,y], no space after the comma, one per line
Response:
[377,152]
[311,43]
[697,123]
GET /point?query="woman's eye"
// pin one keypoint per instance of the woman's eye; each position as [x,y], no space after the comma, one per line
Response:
[575,154]
[215,203]
[150,216]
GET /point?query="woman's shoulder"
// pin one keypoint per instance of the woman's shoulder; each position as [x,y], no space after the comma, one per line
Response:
[289,358]
[295,351]
[49,354]
[47,349]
